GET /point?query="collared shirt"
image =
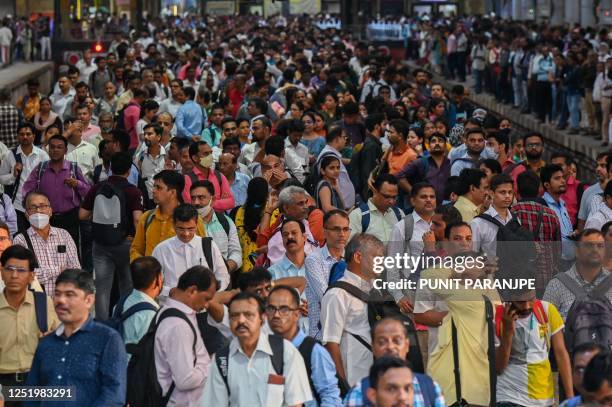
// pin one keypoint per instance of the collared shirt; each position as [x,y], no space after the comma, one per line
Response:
[466,208]
[248,153]
[239,188]
[20,333]
[8,214]
[567,246]
[86,156]
[189,120]
[598,218]
[585,202]
[10,119]
[276,250]
[212,135]
[135,326]
[170,106]
[355,397]
[149,166]
[177,257]
[50,261]
[228,243]
[63,198]
[318,265]
[562,298]
[174,358]
[59,102]
[323,374]
[248,378]
[285,268]
[342,314]
[425,169]
[381,224]
[93,135]
[224,200]
[92,359]
[296,159]
[347,189]
[396,246]
[485,233]
[105,173]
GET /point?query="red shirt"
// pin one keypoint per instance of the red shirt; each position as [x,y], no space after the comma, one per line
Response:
[570,196]
[131,115]
[224,199]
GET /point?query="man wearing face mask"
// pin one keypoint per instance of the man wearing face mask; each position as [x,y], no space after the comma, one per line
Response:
[43,239]
[203,169]
[218,225]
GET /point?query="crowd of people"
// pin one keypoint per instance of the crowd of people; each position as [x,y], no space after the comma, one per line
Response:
[26,40]
[198,216]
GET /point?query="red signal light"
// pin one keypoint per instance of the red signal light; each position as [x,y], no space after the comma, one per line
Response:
[98,47]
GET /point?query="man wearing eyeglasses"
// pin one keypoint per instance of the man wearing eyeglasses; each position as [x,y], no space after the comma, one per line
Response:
[18,320]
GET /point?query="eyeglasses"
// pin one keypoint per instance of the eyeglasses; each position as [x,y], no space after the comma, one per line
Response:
[339,230]
[388,197]
[4,238]
[283,311]
[533,145]
[12,269]
[39,208]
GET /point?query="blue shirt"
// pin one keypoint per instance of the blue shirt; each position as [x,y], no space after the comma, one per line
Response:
[92,359]
[189,120]
[323,375]
[239,188]
[355,397]
[285,268]
[212,135]
[567,246]
[132,178]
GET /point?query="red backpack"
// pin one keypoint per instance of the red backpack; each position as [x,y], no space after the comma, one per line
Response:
[538,310]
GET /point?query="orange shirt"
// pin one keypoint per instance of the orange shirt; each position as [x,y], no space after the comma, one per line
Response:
[398,160]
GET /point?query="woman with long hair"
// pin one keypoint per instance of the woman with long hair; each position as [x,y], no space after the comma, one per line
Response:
[327,194]
[310,138]
[320,128]
[44,119]
[247,219]
[330,108]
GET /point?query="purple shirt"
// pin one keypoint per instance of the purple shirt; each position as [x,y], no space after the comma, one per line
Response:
[424,169]
[63,198]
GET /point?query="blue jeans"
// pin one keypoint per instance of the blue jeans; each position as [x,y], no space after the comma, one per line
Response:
[573,105]
[478,80]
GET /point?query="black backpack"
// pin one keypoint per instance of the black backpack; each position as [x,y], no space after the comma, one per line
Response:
[518,254]
[312,180]
[11,190]
[109,219]
[143,389]
[589,319]
[277,359]
[120,316]
[305,350]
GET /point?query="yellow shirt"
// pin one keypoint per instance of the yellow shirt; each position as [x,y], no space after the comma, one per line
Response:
[246,243]
[467,209]
[160,229]
[20,333]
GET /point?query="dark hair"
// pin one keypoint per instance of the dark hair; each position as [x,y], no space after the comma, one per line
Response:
[598,371]
[122,138]
[256,276]
[373,120]
[203,184]
[452,185]
[296,126]
[381,365]
[350,108]
[246,296]
[502,137]
[491,164]
[184,213]
[416,188]
[500,179]
[294,294]
[275,145]
[199,276]
[156,128]
[59,137]
[528,184]
[477,130]
[173,180]
[470,177]
[588,232]
[449,213]
[604,228]
[546,172]
[194,148]
[144,271]
[401,126]
[20,253]
[27,125]
[532,134]
[334,212]
[288,220]
[389,319]
[453,225]
[189,92]
[259,104]
[121,163]
[231,141]
[333,133]
[382,178]
[327,160]
[257,195]
[587,347]
[81,279]
[608,189]
[4,226]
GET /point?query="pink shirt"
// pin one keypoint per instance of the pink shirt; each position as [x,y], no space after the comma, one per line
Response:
[90,133]
[570,196]
[131,115]
[224,199]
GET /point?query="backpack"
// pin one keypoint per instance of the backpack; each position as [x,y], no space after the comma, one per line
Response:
[11,190]
[518,255]
[42,168]
[97,172]
[336,272]
[538,310]
[194,178]
[109,218]
[40,308]
[590,316]
[121,118]
[143,388]
[222,218]
[305,350]
[365,215]
[312,180]
[120,316]
[277,345]
[426,384]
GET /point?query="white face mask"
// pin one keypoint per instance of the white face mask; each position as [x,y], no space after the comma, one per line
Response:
[39,220]
[205,210]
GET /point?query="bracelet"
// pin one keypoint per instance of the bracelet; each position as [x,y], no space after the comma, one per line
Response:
[268,213]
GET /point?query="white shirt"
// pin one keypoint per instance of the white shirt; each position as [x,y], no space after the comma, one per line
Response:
[6,36]
[149,166]
[248,153]
[86,70]
[296,159]
[342,315]
[381,224]
[29,163]
[248,378]
[485,233]
[86,156]
[174,357]
[176,257]
[59,101]
[599,217]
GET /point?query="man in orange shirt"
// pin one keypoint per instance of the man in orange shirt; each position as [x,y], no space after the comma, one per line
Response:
[400,154]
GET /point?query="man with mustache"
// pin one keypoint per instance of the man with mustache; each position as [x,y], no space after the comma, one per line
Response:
[526,328]
[255,369]
[82,352]
[151,160]
[392,383]
[390,339]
